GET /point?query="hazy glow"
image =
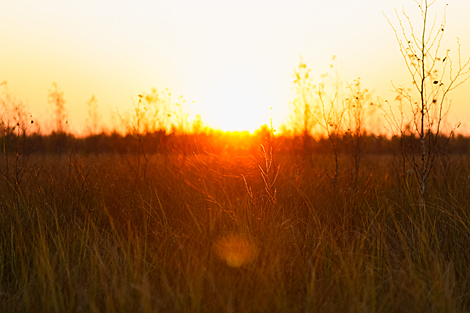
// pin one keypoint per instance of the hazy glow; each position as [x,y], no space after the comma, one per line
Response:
[237,102]
[236,250]
[234,59]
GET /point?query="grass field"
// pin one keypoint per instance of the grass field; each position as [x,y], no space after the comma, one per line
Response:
[206,233]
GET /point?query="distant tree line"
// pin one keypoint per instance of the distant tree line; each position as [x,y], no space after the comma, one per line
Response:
[216,142]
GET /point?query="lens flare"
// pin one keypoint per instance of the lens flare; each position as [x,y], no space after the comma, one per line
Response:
[236,250]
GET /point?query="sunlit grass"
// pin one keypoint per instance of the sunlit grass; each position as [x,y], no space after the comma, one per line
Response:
[82,234]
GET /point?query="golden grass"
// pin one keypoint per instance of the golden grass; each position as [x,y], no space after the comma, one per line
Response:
[86,235]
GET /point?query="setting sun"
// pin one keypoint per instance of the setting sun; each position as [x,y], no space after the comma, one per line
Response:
[234,60]
[237,103]
[234,156]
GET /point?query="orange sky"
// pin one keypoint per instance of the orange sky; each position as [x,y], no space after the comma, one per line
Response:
[234,59]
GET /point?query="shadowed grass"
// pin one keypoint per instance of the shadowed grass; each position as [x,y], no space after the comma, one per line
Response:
[83,235]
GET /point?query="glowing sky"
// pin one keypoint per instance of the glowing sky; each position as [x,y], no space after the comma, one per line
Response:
[233,58]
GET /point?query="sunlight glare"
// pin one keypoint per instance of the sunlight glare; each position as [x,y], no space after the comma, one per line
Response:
[237,102]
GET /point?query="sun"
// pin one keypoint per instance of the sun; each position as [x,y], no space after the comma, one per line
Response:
[237,102]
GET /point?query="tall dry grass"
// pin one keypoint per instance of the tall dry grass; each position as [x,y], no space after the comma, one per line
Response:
[82,234]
